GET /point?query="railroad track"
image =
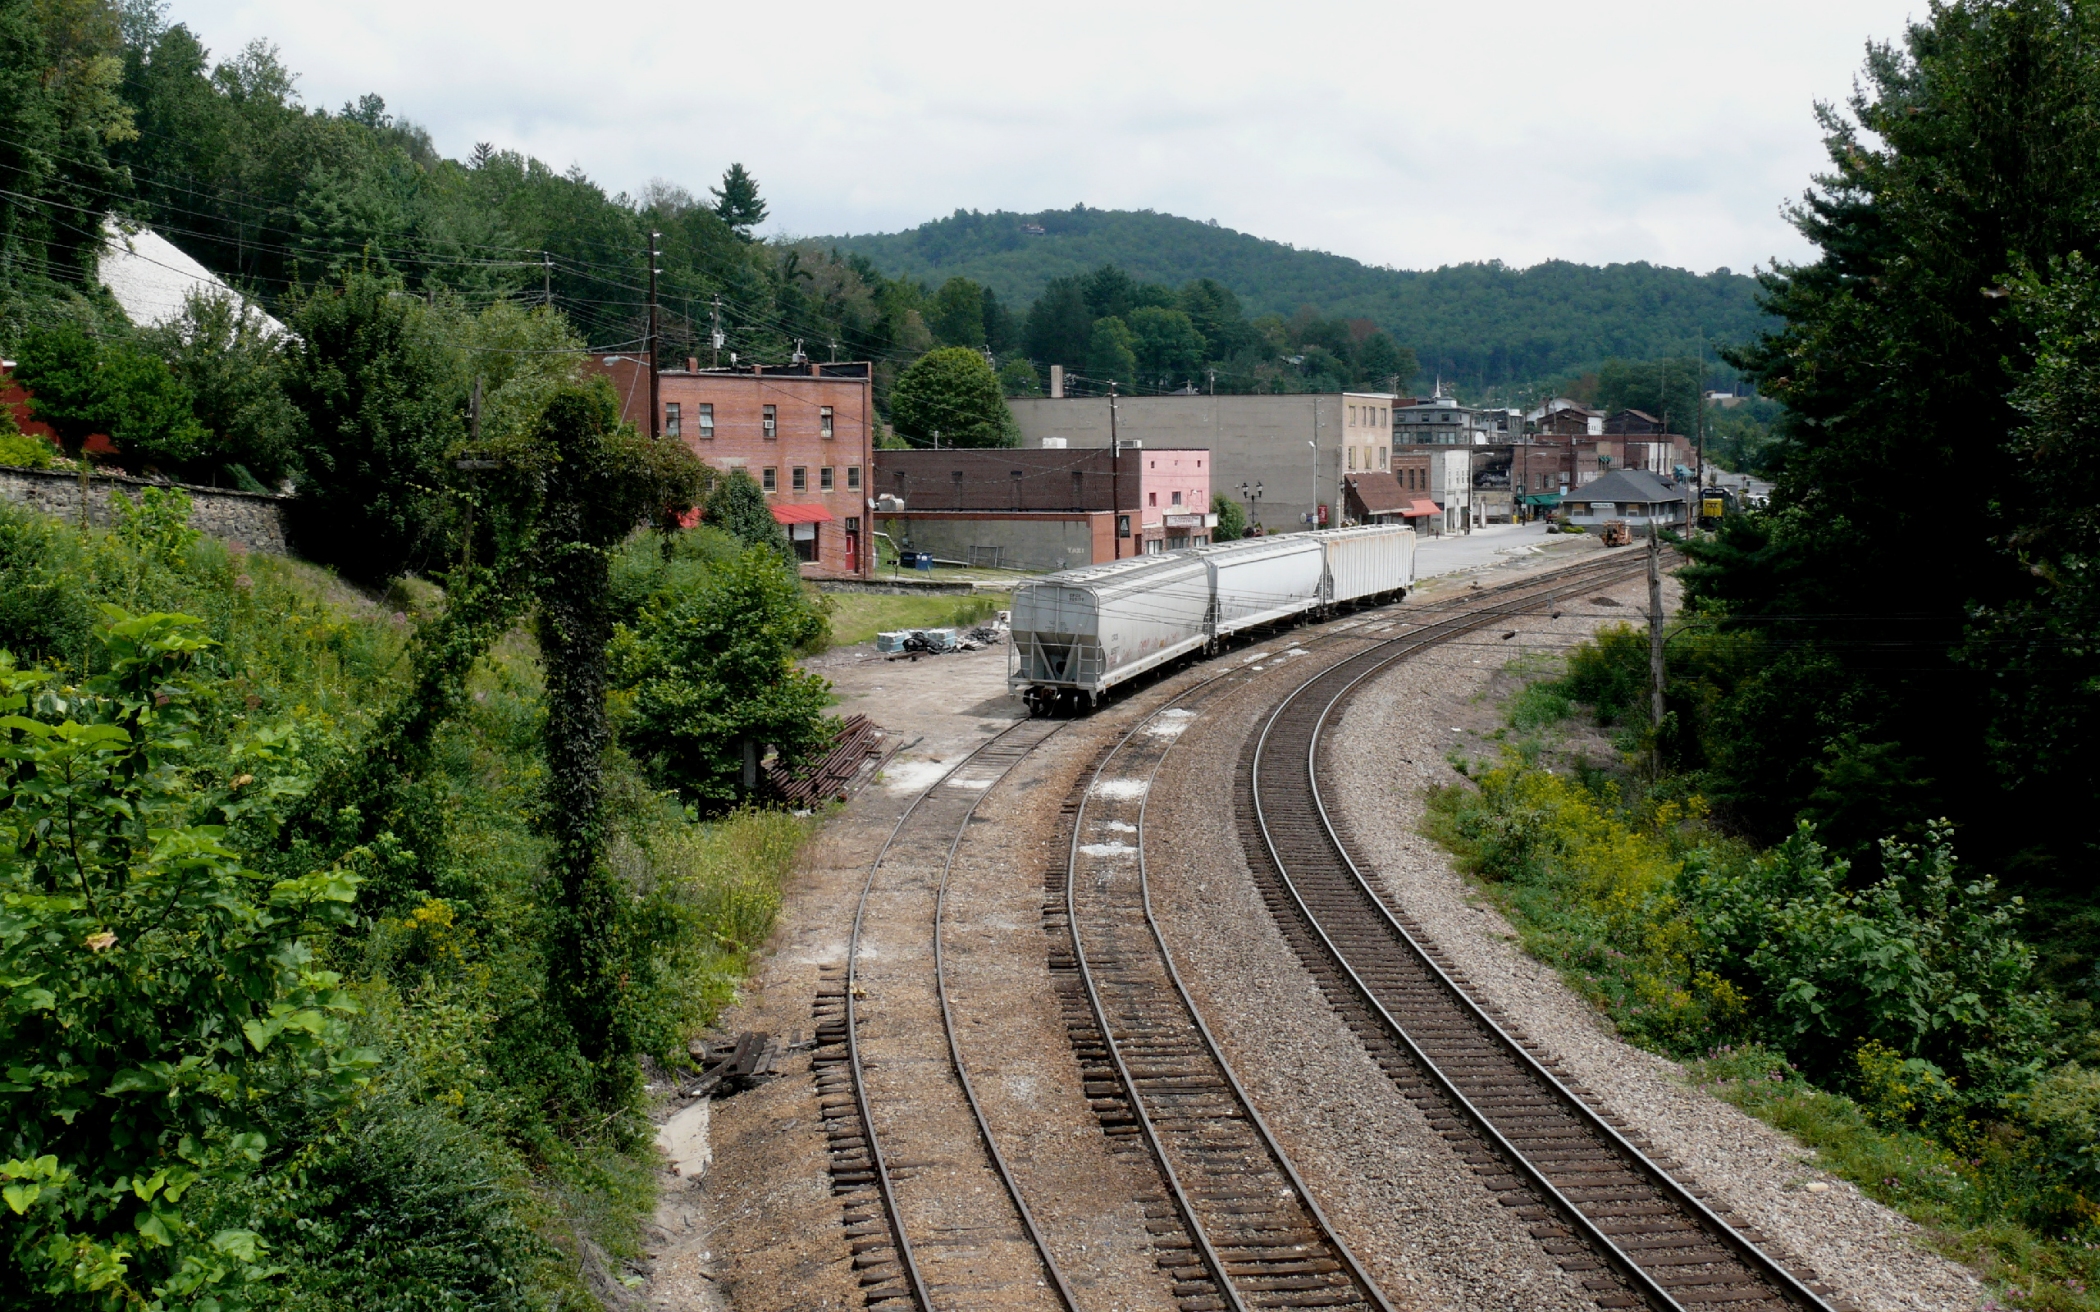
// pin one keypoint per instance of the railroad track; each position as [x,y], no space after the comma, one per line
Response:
[1236,1227]
[933,1213]
[1599,1202]
[932,1210]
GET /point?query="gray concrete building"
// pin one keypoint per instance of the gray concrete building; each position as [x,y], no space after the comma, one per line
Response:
[1282,457]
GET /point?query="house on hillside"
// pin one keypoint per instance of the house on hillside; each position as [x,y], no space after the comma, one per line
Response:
[1564,417]
[1632,423]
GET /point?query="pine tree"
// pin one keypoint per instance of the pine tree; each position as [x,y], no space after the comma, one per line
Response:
[737,202]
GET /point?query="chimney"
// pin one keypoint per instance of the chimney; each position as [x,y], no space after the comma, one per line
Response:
[692,364]
[1057,382]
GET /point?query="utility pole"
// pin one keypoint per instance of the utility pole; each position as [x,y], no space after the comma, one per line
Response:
[715,338]
[1115,476]
[1312,517]
[1699,438]
[1655,639]
[547,278]
[655,410]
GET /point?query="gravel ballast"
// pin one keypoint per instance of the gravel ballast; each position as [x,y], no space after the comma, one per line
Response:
[1397,736]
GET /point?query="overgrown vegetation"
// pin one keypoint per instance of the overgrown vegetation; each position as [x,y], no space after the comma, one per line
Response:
[1892,1016]
[274,1051]
[1943,336]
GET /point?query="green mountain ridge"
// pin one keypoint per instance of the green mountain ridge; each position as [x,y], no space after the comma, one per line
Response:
[1481,325]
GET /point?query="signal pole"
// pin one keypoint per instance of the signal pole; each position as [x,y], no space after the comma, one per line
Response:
[655,410]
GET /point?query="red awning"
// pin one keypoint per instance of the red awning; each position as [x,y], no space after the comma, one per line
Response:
[801,515]
[1421,507]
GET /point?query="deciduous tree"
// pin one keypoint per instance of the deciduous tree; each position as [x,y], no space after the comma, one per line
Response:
[952,392]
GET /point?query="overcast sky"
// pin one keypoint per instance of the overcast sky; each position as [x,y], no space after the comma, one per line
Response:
[1409,134]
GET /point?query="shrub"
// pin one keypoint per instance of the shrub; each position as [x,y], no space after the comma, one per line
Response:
[1610,674]
[738,506]
[704,670]
[159,995]
[19,449]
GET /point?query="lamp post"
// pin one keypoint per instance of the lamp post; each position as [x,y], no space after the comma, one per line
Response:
[1252,496]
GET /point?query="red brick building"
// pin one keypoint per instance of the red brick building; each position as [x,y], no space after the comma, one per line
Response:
[804,432]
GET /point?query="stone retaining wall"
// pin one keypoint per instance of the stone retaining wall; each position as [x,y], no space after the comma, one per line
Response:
[250,519]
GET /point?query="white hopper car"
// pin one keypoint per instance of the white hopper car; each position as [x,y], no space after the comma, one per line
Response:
[1078,633]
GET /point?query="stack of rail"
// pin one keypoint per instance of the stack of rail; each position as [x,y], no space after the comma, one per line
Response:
[830,778]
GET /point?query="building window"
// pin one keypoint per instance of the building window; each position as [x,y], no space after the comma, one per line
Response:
[1177,498]
[1382,453]
[1352,459]
[671,419]
[824,421]
[1155,498]
[853,523]
[804,537]
[707,419]
[771,422]
[771,481]
[798,478]
[853,478]
[1122,526]
[824,479]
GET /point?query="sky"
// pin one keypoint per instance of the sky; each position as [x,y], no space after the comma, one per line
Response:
[1400,133]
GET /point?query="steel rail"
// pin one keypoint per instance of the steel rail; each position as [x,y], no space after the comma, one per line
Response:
[884,1185]
[1312,1206]
[962,1073]
[1135,1100]
[1373,663]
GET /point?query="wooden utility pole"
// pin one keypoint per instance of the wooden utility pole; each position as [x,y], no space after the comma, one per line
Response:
[1655,637]
[655,410]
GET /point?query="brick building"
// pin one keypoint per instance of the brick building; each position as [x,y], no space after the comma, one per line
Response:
[804,433]
[1051,507]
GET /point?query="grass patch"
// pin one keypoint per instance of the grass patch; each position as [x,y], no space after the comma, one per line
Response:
[859,616]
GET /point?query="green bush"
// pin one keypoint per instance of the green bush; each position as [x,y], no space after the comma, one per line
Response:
[703,668]
[1610,674]
[419,1150]
[159,993]
[18,449]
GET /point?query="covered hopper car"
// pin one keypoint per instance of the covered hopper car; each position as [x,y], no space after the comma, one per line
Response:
[1079,633]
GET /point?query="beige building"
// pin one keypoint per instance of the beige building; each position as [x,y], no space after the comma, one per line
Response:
[1282,457]
[1367,432]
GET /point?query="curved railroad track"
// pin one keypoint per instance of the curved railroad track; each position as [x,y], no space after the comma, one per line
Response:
[912,1153]
[1237,1228]
[1599,1202]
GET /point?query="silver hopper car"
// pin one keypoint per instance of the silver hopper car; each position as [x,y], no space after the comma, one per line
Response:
[1078,633]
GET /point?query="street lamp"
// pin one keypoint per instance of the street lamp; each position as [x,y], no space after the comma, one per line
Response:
[1251,496]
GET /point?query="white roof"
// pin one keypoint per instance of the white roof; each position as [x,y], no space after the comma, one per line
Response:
[151,277]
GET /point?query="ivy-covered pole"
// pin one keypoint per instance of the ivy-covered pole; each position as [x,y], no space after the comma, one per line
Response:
[603,480]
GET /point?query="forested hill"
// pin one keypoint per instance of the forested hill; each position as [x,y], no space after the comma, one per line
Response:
[1478,323]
